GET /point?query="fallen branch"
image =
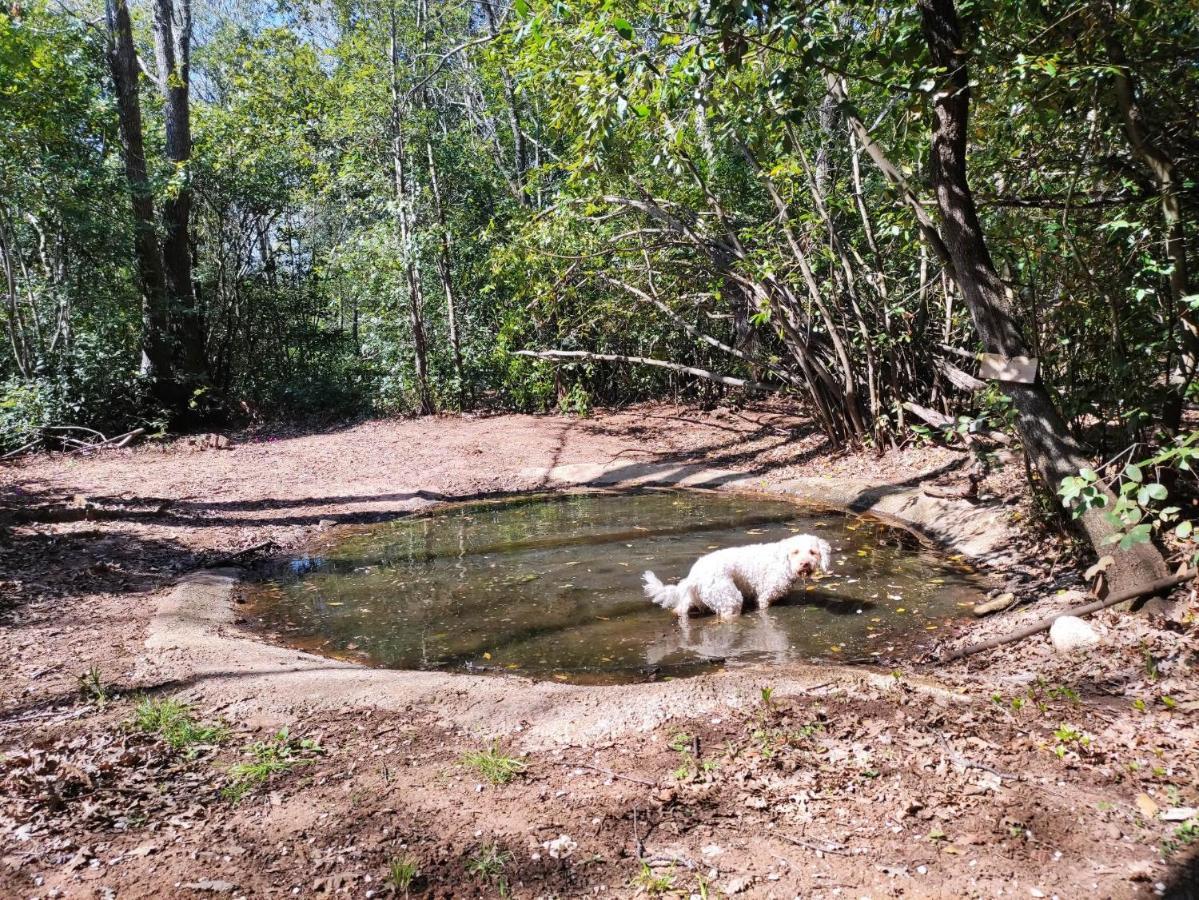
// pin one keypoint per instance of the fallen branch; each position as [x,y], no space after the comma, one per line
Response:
[20,450]
[570,355]
[1154,587]
[114,443]
[940,420]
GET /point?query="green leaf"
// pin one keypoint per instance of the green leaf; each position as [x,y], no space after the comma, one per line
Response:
[1157,491]
[1133,473]
[623,28]
[1184,529]
[1139,535]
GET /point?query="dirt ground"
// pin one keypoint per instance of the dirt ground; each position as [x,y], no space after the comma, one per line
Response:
[1047,776]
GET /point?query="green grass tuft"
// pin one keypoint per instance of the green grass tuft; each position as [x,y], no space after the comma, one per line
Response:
[651,882]
[279,754]
[402,872]
[489,864]
[174,723]
[495,766]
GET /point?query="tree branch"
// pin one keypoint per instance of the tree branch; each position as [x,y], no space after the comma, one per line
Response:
[575,355]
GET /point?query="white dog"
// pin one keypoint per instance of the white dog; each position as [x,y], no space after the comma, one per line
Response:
[724,579]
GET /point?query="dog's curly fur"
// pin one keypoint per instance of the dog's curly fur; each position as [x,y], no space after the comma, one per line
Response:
[722,580]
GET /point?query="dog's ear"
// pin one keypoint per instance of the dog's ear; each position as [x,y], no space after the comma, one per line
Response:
[826,556]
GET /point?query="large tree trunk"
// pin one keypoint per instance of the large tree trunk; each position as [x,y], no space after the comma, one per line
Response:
[172,51]
[157,364]
[1054,453]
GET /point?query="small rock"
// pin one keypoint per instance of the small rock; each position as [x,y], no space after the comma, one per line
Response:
[737,884]
[211,886]
[1070,633]
[325,523]
[1178,813]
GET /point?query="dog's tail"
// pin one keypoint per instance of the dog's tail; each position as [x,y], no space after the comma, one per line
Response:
[668,596]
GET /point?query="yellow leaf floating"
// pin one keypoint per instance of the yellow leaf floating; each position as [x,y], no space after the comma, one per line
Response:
[900,609]
[487,656]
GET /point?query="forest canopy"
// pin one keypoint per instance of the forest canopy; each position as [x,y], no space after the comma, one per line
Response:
[255,210]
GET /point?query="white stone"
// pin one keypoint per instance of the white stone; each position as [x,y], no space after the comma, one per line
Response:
[1070,633]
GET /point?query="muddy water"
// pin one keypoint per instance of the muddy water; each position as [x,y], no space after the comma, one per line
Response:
[551,588]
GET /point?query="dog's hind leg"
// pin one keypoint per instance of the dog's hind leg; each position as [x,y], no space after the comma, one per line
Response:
[722,596]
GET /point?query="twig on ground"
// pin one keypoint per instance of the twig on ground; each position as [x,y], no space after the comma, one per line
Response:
[816,848]
[967,763]
[603,771]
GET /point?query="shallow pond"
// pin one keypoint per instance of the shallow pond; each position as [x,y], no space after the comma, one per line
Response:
[551,587]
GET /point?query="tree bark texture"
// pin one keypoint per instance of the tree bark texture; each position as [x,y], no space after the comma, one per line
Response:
[172,52]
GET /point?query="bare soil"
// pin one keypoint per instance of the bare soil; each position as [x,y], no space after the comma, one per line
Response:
[1048,776]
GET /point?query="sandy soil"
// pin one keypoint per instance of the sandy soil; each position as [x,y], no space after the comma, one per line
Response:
[1051,776]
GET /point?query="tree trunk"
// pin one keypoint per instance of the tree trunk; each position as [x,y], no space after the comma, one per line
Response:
[520,153]
[1051,449]
[404,226]
[172,52]
[444,269]
[157,364]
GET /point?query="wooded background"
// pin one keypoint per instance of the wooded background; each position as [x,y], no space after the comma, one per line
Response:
[254,210]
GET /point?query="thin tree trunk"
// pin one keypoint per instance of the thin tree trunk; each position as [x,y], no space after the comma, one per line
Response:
[157,365]
[520,153]
[1047,442]
[848,372]
[407,250]
[1169,183]
[172,51]
[445,270]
